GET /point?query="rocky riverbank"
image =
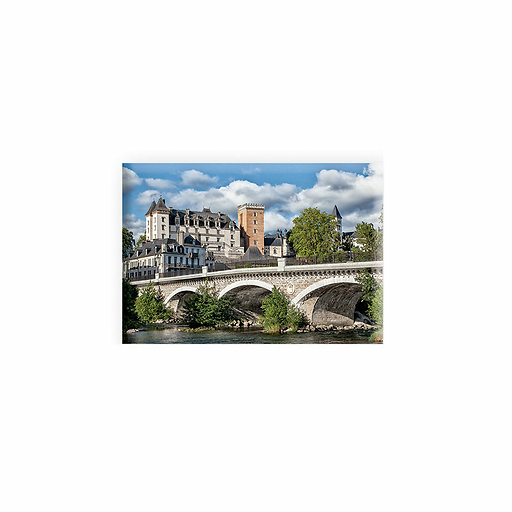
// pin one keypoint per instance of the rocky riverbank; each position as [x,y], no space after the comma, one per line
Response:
[354,326]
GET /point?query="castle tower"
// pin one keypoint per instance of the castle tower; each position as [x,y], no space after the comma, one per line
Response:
[160,217]
[149,224]
[157,220]
[251,221]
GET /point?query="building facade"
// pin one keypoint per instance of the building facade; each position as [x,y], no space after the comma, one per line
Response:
[251,219]
[215,231]
[276,245]
[165,255]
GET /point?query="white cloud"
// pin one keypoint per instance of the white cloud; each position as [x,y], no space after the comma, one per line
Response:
[133,223]
[160,184]
[130,180]
[226,199]
[358,196]
[274,220]
[147,196]
[198,179]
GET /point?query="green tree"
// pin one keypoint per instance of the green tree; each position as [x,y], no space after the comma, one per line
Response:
[368,241]
[372,296]
[130,319]
[314,234]
[142,238]
[149,305]
[204,308]
[376,308]
[128,242]
[278,313]
[347,245]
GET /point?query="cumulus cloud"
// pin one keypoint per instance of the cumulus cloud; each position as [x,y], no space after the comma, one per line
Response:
[358,196]
[160,184]
[130,180]
[147,196]
[274,220]
[225,199]
[134,224]
[198,179]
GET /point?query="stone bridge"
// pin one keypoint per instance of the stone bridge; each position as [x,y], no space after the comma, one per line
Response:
[326,293]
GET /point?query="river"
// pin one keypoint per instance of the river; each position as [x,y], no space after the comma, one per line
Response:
[250,335]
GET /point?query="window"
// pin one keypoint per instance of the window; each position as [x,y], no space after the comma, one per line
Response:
[255,242]
[255,230]
[255,214]
[255,222]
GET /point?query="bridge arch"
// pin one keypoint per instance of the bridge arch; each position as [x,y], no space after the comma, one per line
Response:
[247,282]
[330,301]
[179,291]
[175,300]
[248,296]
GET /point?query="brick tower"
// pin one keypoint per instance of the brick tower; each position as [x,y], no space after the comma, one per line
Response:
[251,222]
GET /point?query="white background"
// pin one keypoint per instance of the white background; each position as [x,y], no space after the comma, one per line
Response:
[421,422]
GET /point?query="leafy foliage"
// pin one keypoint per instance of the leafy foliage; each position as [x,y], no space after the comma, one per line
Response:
[369,284]
[150,307]
[314,234]
[370,240]
[279,313]
[376,308]
[130,319]
[142,238]
[205,308]
[128,242]
[372,296]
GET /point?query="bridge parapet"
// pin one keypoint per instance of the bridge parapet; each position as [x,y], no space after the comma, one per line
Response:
[346,268]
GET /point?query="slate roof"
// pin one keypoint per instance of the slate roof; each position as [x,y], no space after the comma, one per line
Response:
[336,212]
[152,206]
[160,206]
[274,241]
[155,246]
[202,216]
[253,254]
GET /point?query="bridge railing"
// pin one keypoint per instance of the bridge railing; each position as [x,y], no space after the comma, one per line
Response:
[244,264]
[171,273]
[338,257]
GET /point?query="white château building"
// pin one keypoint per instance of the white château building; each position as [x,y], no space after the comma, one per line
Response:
[162,255]
[215,231]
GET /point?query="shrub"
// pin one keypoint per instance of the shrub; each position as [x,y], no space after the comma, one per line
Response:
[149,305]
[279,313]
[376,309]
[204,308]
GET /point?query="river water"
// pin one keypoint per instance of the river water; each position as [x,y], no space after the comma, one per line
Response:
[172,334]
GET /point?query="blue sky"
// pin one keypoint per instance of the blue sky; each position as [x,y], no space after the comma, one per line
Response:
[285,189]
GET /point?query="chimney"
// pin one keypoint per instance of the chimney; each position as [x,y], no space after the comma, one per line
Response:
[181,238]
